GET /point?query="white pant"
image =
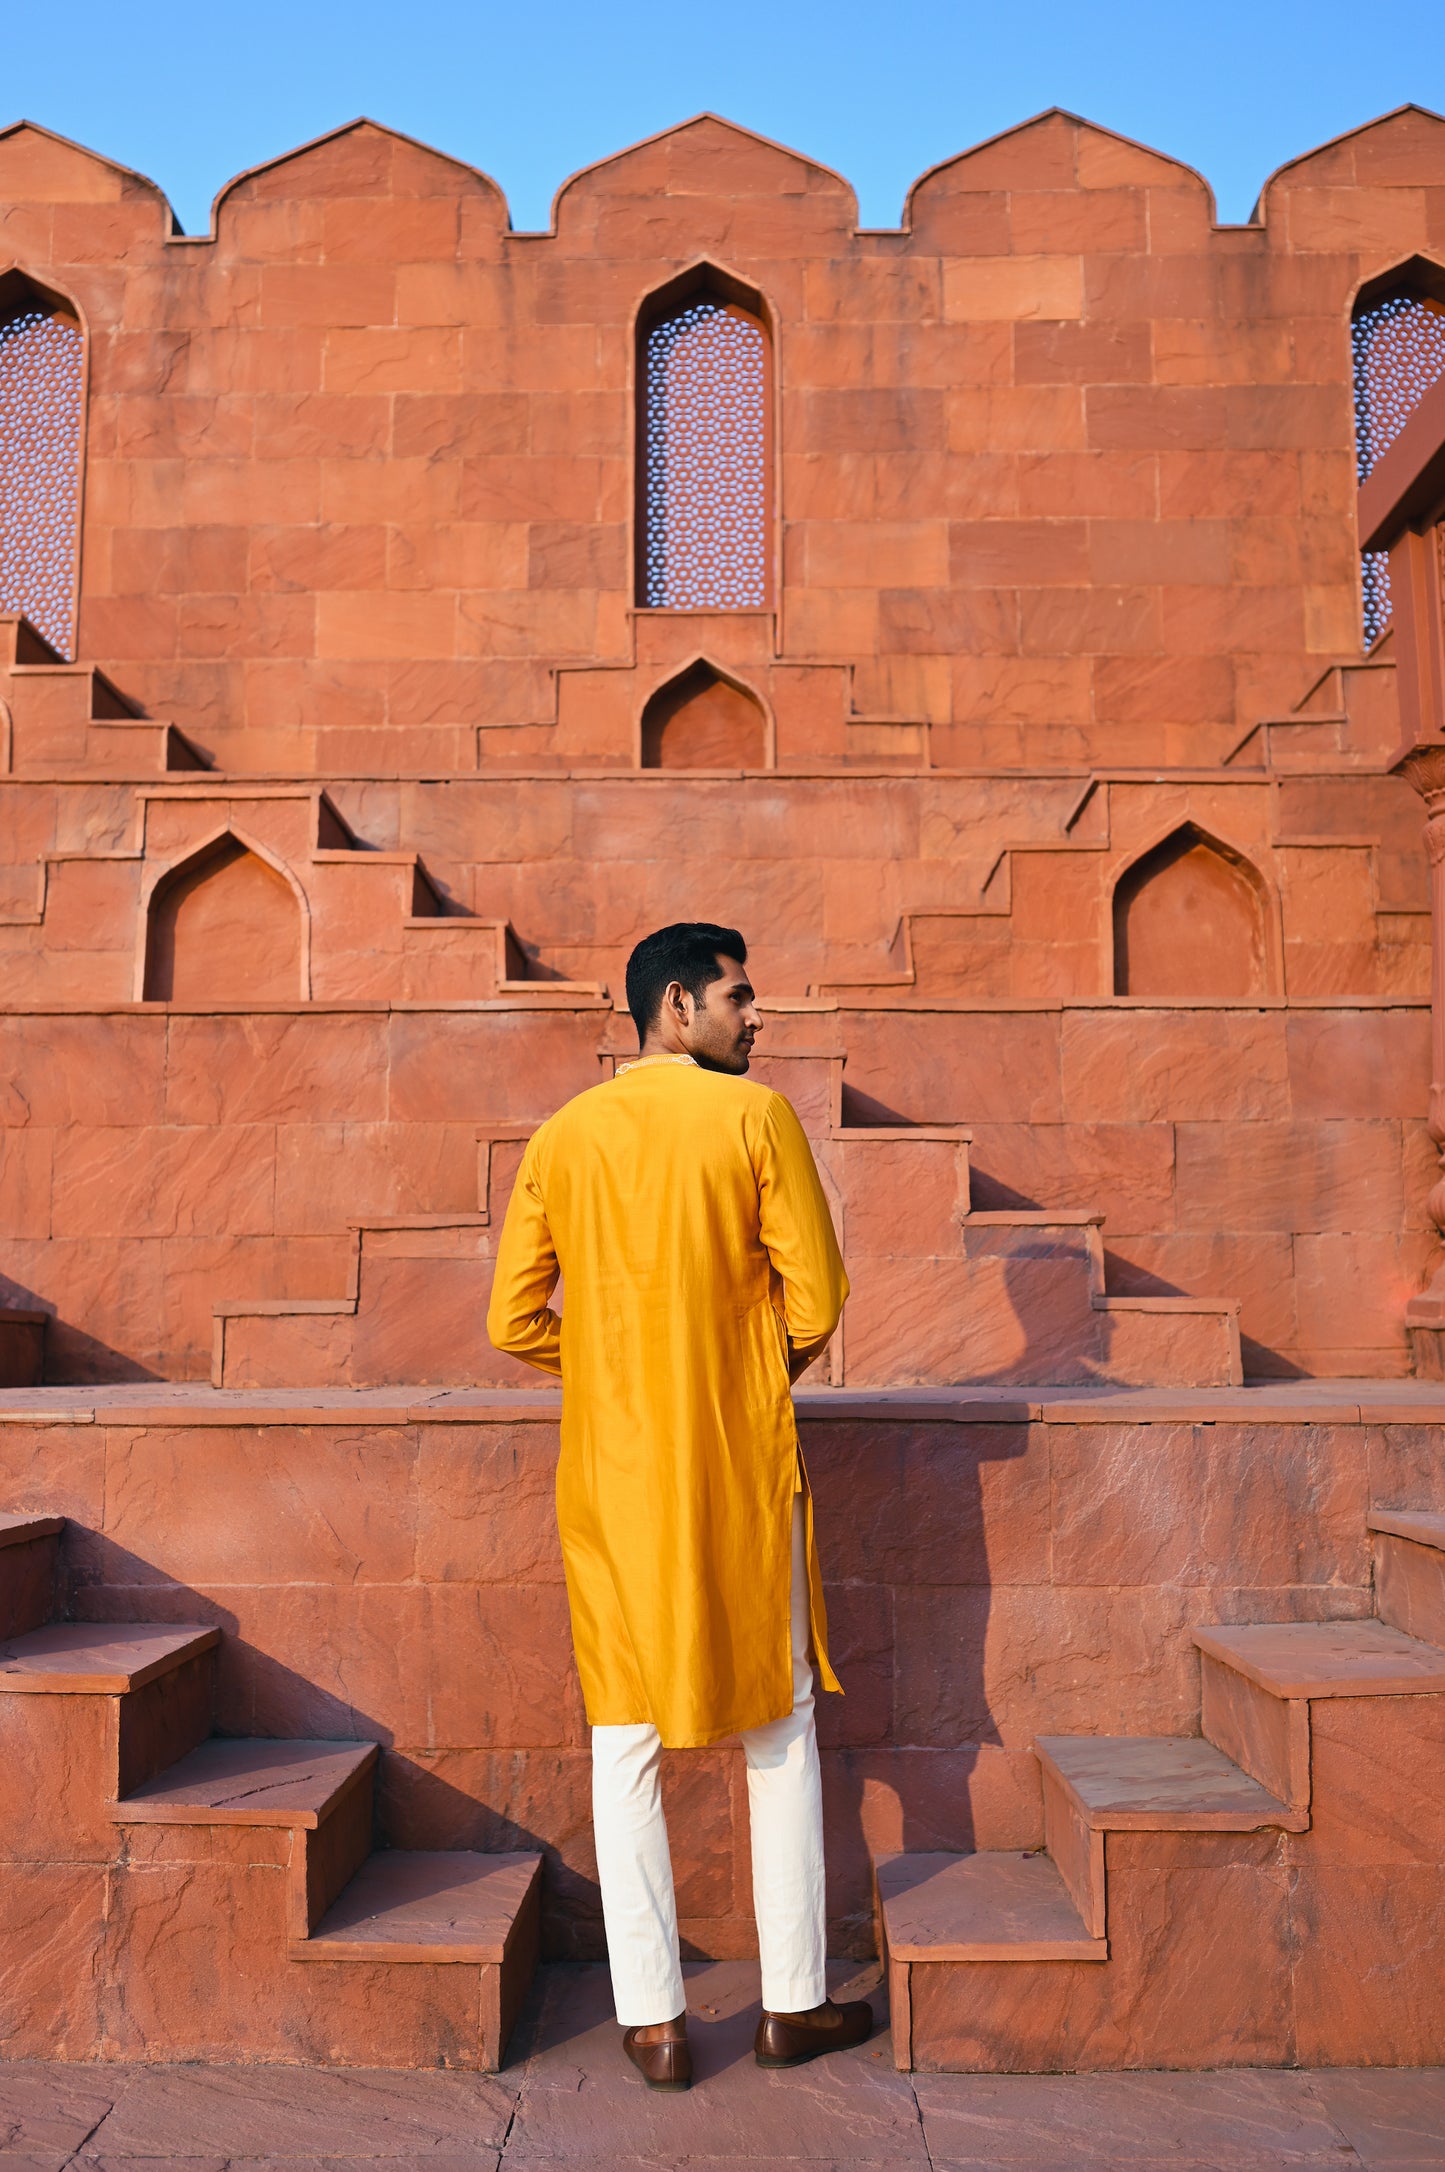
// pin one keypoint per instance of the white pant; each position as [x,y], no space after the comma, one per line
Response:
[785,1809]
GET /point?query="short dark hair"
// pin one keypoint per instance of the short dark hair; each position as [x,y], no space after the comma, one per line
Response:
[688,952]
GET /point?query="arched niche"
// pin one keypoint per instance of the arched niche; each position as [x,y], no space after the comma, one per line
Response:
[224,926]
[42,445]
[704,720]
[1189,920]
[704,446]
[1397,337]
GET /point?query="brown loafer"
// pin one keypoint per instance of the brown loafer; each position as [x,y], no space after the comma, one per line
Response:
[665,2062]
[793,2039]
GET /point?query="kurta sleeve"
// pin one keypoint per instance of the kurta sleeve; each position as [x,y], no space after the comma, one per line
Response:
[797,1231]
[519,1318]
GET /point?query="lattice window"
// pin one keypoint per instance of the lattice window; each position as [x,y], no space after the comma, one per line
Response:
[705,459]
[42,375]
[1399,354]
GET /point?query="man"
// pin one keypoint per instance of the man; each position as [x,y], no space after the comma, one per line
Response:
[680,1206]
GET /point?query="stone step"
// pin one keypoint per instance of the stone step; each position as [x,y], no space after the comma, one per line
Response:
[1096,1784]
[1410,1571]
[938,1913]
[1306,1659]
[101,1659]
[228,1781]
[413,1905]
[1257,1682]
[91,1711]
[1159,1783]
[319,1792]
[148,744]
[21,1530]
[436,1913]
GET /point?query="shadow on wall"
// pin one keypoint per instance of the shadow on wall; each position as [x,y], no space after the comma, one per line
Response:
[916,1525]
[1126,1279]
[73,1358]
[257,1695]
[1123,1277]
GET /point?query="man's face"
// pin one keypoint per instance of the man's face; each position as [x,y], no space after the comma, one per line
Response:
[719,1031]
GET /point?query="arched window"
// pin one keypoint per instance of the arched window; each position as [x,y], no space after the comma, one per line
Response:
[223,927]
[42,383]
[700,720]
[704,369]
[1189,921]
[1399,353]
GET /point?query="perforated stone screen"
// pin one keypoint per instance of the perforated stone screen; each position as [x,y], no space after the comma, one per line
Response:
[42,374]
[705,513]
[1399,354]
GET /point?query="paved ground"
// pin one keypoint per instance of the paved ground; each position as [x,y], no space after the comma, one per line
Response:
[568,2100]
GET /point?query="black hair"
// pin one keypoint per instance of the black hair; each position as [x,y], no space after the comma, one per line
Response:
[688,952]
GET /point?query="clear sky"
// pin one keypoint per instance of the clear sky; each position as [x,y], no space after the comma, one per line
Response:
[530,91]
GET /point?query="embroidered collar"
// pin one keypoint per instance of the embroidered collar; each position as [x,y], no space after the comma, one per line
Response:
[640,1063]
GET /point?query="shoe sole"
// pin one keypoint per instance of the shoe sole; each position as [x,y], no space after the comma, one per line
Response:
[802,2058]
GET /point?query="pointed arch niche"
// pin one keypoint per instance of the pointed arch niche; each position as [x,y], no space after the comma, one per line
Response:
[226,925]
[704,520]
[42,442]
[1190,919]
[1397,332]
[704,720]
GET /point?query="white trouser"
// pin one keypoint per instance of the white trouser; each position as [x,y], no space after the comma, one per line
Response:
[785,1809]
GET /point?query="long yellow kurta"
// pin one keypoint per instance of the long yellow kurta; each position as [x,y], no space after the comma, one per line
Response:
[684,1213]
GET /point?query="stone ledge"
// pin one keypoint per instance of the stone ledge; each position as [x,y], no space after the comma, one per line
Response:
[193,1403]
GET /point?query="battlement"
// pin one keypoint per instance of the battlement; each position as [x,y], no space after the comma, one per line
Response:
[1061,470]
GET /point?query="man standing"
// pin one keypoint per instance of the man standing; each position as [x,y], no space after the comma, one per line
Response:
[681,1208]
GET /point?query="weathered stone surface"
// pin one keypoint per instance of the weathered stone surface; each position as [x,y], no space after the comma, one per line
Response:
[1064,600]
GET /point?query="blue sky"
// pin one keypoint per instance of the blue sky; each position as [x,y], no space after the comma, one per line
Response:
[190,96]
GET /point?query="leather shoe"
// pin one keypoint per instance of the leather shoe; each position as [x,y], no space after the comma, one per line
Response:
[793,2039]
[665,2062]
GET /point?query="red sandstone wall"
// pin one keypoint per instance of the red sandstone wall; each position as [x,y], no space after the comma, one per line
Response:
[1066,470]
[1066,557]
[987,1582]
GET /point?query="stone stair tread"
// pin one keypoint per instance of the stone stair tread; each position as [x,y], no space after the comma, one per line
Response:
[236,1782]
[1424,1526]
[990,1906]
[1327,1658]
[1161,1783]
[414,1905]
[16,1530]
[98,1658]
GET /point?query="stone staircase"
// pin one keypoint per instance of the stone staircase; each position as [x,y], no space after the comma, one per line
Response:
[71,719]
[162,1883]
[1349,718]
[1268,1892]
[941,1293]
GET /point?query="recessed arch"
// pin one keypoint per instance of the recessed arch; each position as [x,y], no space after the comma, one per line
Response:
[705,719]
[1190,919]
[704,445]
[227,923]
[42,454]
[1397,338]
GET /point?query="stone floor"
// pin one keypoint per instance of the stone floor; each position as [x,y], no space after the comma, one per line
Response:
[568,2100]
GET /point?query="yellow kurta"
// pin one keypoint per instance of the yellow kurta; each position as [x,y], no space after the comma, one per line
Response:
[683,1211]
